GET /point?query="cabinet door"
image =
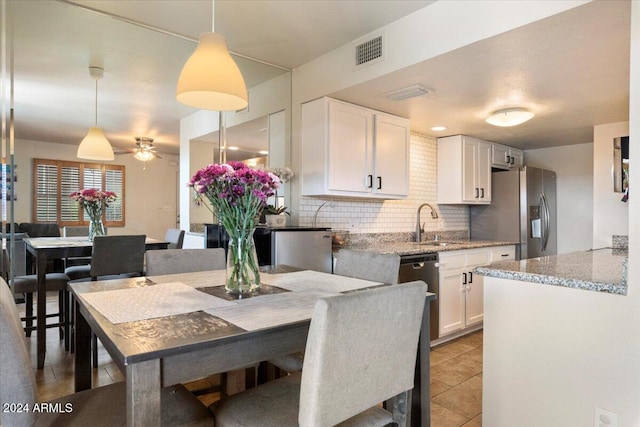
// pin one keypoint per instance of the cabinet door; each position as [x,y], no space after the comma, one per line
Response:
[470,190]
[452,301]
[483,172]
[499,156]
[391,158]
[516,158]
[350,148]
[474,308]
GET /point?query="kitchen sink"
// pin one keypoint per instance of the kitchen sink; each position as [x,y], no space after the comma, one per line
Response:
[432,243]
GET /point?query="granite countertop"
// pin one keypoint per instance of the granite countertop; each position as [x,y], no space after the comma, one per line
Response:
[413,248]
[601,270]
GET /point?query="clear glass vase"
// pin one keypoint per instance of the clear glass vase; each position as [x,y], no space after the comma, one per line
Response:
[243,274]
[96,227]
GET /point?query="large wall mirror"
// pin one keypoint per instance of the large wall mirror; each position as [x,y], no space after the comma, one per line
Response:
[51,45]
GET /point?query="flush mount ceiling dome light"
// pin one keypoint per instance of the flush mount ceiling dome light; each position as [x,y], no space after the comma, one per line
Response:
[509,117]
[95,145]
[210,79]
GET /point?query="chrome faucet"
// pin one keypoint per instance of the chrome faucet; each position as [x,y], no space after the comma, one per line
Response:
[420,228]
[315,216]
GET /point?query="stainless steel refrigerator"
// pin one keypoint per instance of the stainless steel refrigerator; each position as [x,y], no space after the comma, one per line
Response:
[522,209]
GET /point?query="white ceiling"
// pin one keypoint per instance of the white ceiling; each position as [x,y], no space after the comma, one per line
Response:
[571,69]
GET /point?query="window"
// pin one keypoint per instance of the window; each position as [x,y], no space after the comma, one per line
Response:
[55,180]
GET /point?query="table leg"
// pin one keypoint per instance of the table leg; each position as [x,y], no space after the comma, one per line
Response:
[143,394]
[82,346]
[41,322]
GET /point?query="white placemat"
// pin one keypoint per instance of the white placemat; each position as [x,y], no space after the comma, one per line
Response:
[309,279]
[148,302]
[271,310]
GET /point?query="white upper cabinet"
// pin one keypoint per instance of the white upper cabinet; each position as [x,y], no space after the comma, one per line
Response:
[464,170]
[504,157]
[352,151]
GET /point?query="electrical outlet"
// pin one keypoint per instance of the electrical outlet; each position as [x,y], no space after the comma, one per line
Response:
[604,418]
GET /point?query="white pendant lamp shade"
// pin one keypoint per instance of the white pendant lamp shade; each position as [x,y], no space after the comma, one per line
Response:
[95,146]
[509,117]
[211,80]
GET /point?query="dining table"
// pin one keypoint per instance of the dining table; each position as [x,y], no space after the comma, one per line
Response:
[173,329]
[46,248]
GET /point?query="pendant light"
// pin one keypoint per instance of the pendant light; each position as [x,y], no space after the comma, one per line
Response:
[210,79]
[95,145]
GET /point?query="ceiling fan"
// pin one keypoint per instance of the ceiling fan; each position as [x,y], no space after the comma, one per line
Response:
[144,150]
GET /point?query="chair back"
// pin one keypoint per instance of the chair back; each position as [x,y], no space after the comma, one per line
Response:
[174,261]
[366,339]
[114,255]
[75,230]
[17,381]
[382,268]
[175,238]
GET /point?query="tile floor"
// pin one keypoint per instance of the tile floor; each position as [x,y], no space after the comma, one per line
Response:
[456,376]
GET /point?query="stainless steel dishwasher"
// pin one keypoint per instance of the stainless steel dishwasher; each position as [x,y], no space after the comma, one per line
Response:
[423,267]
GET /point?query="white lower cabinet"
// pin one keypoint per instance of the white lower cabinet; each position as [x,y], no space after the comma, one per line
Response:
[461,291]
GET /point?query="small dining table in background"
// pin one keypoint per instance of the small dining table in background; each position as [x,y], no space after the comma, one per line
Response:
[46,248]
[164,330]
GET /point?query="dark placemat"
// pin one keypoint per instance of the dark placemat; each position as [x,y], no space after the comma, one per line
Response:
[220,292]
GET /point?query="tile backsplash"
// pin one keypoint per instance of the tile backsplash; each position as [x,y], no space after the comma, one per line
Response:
[391,216]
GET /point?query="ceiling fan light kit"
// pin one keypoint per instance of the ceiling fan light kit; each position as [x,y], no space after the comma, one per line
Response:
[509,117]
[210,79]
[95,146]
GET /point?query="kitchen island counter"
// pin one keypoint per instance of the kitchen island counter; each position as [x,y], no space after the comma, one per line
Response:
[602,270]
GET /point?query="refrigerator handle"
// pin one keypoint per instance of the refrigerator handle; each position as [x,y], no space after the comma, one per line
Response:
[546,225]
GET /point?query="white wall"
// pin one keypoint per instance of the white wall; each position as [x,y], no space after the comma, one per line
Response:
[392,216]
[610,215]
[573,165]
[150,195]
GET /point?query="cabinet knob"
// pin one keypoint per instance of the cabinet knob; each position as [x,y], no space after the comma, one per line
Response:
[369,181]
[508,159]
[477,193]
[482,196]
[379,183]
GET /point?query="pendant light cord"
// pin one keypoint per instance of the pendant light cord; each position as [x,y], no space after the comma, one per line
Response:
[96,109]
[213,16]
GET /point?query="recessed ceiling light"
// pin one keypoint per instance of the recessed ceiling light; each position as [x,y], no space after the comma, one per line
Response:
[509,117]
[263,152]
[438,128]
[232,148]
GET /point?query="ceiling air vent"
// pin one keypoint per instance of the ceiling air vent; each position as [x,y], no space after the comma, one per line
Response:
[370,52]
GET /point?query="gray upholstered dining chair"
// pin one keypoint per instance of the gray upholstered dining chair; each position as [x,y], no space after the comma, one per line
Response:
[368,266]
[367,340]
[27,285]
[114,257]
[77,267]
[104,406]
[364,265]
[175,237]
[174,261]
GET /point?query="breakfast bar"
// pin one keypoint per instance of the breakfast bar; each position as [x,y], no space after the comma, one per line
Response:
[547,323]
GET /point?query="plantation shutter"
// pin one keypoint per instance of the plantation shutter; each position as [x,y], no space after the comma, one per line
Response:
[54,181]
[114,181]
[46,198]
[69,182]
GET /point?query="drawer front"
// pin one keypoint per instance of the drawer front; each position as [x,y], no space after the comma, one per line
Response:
[451,261]
[478,257]
[503,253]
